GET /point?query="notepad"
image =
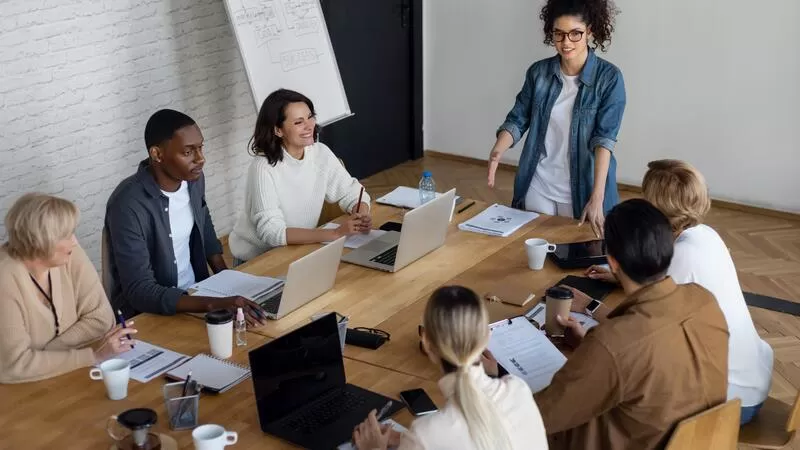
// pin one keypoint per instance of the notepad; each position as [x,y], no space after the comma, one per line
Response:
[403,197]
[214,374]
[232,282]
[498,220]
[525,352]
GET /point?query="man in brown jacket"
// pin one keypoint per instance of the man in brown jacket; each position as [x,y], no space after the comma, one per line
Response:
[661,356]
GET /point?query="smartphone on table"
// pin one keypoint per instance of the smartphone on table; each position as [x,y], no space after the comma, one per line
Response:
[418,402]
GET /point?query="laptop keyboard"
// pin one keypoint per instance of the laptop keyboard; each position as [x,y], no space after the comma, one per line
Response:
[271,304]
[387,257]
[325,412]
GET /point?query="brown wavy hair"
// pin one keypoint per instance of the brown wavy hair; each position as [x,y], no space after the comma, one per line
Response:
[272,114]
[598,14]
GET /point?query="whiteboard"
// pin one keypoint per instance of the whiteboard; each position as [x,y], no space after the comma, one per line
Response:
[285,44]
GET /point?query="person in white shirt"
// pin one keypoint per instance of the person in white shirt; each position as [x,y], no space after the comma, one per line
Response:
[701,256]
[289,179]
[481,413]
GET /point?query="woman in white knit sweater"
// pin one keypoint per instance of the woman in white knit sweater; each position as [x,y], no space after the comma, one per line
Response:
[289,179]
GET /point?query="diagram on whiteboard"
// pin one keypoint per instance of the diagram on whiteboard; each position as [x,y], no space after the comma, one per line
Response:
[291,30]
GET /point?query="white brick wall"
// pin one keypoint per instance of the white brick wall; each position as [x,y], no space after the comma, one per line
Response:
[79,79]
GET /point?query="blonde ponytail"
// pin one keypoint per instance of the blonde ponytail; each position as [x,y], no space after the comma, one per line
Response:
[457,329]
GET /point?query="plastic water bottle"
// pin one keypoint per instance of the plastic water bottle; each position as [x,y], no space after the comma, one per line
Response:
[241,328]
[427,188]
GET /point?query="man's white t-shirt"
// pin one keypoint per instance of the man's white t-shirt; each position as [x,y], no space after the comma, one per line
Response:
[552,177]
[702,257]
[181,223]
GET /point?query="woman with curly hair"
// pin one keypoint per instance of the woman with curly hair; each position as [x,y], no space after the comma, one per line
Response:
[571,105]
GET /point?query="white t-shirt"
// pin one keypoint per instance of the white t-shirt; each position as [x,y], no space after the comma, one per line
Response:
[702,257]
[181,222]
[552,178]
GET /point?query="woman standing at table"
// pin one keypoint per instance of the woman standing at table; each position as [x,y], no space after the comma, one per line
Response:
[481,412]
[289,179]
[571,105]
[54,314]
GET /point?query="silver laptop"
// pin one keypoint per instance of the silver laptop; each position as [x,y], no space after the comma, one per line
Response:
[308,278]
[424,230]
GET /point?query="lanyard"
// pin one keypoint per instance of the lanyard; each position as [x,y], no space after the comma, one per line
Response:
[48,297]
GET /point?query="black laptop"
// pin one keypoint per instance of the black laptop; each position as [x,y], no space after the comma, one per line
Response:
[580,255]
[301,392]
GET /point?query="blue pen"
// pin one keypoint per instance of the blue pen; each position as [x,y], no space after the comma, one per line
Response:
[121,320]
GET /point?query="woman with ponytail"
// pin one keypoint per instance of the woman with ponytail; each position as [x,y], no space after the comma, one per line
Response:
[481,413]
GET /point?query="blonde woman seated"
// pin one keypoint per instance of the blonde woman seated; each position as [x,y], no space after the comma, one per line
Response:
[701,256]
[481,412]
[54,314]
[289,179]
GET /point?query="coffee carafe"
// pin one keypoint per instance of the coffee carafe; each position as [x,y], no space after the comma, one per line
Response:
[131,430]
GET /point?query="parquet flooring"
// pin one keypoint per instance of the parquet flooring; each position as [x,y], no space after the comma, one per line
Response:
[766,251]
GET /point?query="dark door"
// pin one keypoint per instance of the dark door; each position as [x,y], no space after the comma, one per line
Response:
[378,49]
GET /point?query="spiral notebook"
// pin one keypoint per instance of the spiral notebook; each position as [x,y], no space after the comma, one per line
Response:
[214,374]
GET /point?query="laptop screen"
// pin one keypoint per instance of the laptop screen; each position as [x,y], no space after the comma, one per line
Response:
[296,368]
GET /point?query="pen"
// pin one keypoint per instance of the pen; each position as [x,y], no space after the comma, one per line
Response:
[384,410]
[360,196]
[121,319]
[465,208]
[186,383]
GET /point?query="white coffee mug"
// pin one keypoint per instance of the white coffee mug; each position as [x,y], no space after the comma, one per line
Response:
[537,250]
[115,374]
[213,437]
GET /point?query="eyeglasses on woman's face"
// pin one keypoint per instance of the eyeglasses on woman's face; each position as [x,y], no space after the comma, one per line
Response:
[574,35]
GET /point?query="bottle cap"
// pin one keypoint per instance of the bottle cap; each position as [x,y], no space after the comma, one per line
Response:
[426,174]
[239,314]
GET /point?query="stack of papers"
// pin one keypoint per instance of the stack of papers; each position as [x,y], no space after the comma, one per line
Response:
[232,282]
[149,361]
[525,352]
[356,240]
[498,220]
[403,197]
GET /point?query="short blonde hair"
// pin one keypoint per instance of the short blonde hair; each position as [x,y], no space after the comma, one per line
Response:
[36,222]
[679,191]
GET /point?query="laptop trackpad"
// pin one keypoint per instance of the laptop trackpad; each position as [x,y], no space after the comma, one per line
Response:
[382,243]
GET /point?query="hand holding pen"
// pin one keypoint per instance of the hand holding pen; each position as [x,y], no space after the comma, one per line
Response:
[116,341]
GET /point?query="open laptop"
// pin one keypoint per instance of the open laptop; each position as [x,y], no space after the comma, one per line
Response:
[308,278]
[301,392]
[424,230]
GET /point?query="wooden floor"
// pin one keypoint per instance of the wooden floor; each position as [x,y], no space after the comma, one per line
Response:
[766,251]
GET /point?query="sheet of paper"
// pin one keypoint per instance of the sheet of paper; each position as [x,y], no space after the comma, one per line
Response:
[356,240]
[396,426]
[525,352]
[403,197]
[498,220]
[150,361]
[232,282]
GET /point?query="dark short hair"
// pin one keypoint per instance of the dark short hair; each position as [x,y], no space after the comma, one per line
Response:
[640,238]
[162,125]
[272,114]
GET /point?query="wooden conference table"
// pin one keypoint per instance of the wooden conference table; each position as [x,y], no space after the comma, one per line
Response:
[70,411]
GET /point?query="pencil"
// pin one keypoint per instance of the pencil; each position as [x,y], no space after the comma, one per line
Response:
[360,196]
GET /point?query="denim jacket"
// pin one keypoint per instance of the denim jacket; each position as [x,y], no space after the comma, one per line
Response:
[596,119]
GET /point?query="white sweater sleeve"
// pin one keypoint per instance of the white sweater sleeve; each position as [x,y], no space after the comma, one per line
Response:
[266,214]
[341,187]
[680,269]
